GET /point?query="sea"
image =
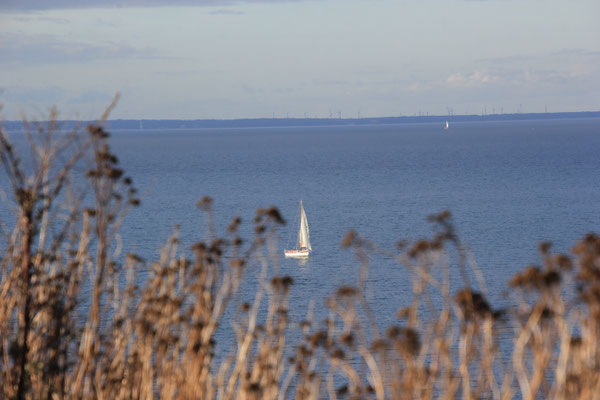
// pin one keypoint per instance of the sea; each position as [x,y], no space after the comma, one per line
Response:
[509,185]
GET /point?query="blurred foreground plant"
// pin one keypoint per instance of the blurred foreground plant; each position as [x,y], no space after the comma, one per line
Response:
[77,321]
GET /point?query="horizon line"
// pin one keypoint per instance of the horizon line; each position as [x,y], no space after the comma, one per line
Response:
[307,118]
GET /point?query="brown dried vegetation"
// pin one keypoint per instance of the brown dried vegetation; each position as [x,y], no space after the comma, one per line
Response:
[77,322]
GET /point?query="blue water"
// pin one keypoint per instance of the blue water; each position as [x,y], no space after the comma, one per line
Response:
[509,185]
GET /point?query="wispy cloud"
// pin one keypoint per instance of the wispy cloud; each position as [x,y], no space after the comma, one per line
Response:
[571,66]
[471,79]
[577,52]
[518,78]
[525,59]
[41,18]
[25,94]
[224,11]
[91,96]
[21,49]
[331,82]
[34,101]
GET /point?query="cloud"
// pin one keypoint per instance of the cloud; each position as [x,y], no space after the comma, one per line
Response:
[503,77]
[35,101]
[548,58]
[570,66]
[90,97]
[331,82]
[226,12]
[37,5]
[20,49]
[472,79]
[24,94]
[40,18]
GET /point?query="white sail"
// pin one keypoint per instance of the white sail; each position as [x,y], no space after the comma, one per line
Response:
[304,233]
[303,247]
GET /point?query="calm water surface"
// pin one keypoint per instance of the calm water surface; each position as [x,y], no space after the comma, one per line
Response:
[508,185]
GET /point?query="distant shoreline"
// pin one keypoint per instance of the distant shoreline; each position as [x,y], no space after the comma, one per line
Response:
[151,124]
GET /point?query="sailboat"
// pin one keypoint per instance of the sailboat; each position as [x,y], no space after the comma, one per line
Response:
[446,126]
[303,247]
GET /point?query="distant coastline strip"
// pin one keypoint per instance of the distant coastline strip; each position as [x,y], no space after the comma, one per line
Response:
[150,124]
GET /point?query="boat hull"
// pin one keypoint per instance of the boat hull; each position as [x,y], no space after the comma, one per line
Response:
[296,253]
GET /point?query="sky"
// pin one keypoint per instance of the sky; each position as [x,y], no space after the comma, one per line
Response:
[224,59]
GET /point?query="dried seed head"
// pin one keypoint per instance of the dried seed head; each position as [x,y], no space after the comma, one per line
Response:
[254,387]
[276,282]
[113,173]
[530,278]
[205,203]
[283,312]
[318,339]
[403,313]
[215,248]
[576,341]
[238,263]
[337,354]
[97,131]
[442,217]
[305,324]
[563,262]
[413,343]
[287,281]
[346,291]
[545,247]
[304,351]
[271,213]
[379,345]
[547,313]
[200,246]
[552,278]
[347,339]
[534,278]
[418,248]
[342,391]
[590,294]
[406,340]
[393,332]
[234,225]
[350,239]
[472,304]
